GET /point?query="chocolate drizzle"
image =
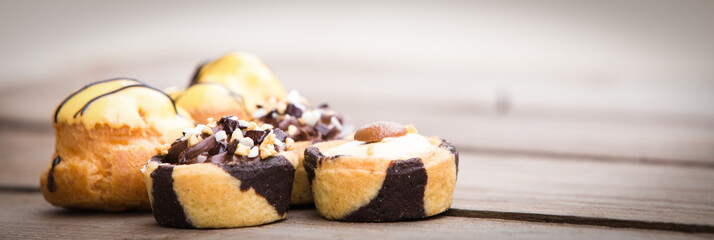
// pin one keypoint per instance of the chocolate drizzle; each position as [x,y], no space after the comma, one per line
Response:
[268,178]
[167,209]
[84,108]
[86,105]
[401,196]
[85,87]
[51,175]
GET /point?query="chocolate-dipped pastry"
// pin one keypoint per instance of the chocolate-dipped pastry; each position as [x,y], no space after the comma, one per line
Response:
[224,174]
[306,125]
[104,133]
[388,173]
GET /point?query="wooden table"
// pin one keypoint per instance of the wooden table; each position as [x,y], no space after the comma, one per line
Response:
[571,123]
[523,174]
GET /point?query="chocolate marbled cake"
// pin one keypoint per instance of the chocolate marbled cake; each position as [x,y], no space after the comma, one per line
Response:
[231,175]
[388,176]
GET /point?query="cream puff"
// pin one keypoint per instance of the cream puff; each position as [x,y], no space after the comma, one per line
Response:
[104,133]
[245,75]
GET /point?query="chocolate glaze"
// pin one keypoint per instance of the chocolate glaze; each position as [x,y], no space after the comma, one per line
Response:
[84,108]
[271,178]
[450,147]
[85,87]
[401,196]
[51,175]
[167,209]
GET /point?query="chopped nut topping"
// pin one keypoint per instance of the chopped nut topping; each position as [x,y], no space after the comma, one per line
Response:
[236,135]
[279,144]
[205,129]
[253,152]
[267,148]
[258,113]
[162,150]
[192,140]
[211,123]
[336,122]
[252,126]
[247,142]
[281,107]
[221,136]
[289,144]
[311,117]
[242,150]
[266,126]
[292,130]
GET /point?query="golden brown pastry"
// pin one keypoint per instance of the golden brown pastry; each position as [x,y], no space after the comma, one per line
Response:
[211,100]
[244,74]
[229,173]
[305,125]
[105,131]
[388,173]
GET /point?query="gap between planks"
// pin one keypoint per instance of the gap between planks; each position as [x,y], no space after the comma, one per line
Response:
[45,127]
[577,220]
[523,217]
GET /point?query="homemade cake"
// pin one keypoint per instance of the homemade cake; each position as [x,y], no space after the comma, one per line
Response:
[227,174]
[388,173]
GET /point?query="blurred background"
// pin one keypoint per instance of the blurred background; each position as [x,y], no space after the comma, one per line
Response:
[630,80]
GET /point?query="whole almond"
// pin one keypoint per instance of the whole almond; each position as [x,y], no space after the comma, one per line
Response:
[376,131]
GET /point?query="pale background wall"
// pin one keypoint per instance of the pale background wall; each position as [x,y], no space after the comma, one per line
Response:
[605,60]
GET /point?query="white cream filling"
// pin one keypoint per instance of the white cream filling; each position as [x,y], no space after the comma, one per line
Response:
[410,145]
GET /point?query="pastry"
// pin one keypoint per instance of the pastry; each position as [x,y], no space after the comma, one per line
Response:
[244,74]
[229,173]
[388,173]
[305,125]
[211,100]
[105,131]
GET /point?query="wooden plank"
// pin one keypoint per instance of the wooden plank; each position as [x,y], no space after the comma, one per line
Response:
[505,183]
[479,125]
[574,135]
[27,216]
[24,154]
[526,184]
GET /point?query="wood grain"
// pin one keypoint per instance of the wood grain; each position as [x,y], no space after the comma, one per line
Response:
[574,133]
[626,191]
[504,183]
[27,216]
